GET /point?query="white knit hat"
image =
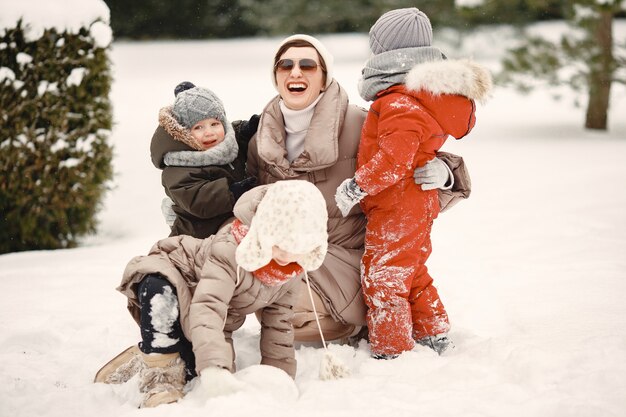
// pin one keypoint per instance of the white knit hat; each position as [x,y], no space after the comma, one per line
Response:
[400,28]
[321,49]
[293,216]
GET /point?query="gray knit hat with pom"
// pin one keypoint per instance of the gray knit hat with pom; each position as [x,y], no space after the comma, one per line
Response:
[196,103]
[400,28]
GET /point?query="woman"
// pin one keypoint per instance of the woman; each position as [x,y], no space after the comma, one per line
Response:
[310,131]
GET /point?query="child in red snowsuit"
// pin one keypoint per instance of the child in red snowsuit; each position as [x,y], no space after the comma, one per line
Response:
[420,98]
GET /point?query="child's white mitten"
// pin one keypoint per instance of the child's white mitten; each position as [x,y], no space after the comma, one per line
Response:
[348,194]
[168,213]
[216,381]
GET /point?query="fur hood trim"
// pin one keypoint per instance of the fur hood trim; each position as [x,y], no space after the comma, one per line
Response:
[462,77]
[175,129]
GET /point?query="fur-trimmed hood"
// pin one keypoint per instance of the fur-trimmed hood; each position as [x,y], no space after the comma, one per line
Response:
[447,91]
[175,129]
[461,77]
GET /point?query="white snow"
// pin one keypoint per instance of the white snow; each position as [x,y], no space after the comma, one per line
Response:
[101,34]
[23,58]
[163,313]
[62,15]
[6,74]
[70,163]
[531,268]
[46,87]
[469,3]
[76,76]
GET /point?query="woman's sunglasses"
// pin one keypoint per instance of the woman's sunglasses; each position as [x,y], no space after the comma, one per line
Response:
[306,65]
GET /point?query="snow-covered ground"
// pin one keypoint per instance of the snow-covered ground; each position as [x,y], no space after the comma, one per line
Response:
[531,268]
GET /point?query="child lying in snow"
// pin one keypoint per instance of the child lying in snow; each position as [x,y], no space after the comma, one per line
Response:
[210,285]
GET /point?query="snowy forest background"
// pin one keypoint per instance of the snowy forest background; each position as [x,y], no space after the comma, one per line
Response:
[531,267]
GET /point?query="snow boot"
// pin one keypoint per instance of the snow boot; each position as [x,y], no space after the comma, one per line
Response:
[121,368]
[161,379]
[354,339]
[440,343]
[382,356]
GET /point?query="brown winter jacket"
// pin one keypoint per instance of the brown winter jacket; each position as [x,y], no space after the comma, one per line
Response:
[202,199]
[329,157]
[214,301]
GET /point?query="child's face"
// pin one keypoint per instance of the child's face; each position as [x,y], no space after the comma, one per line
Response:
[208,132]
[282,257]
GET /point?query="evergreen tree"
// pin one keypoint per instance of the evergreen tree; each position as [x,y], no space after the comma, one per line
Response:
[516,12]
[55,121]
[192,19]
[587,59]
[280,17]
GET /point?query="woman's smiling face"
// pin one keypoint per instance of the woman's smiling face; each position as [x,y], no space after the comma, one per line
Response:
[298,88]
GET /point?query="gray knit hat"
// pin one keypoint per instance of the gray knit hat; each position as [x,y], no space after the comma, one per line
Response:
[400,28]
[195,104]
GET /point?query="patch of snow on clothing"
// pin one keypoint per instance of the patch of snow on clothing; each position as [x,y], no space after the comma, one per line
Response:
[164,313]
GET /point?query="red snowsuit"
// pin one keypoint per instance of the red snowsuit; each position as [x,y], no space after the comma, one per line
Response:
[403,130]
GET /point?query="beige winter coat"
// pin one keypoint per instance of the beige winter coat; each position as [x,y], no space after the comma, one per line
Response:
[214,301]
[329,157]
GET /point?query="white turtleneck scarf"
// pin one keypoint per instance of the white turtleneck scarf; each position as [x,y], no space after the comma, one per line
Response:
[296,125]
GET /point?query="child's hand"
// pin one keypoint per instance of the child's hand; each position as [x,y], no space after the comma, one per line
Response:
[168,213]
[348,194]
[216,382]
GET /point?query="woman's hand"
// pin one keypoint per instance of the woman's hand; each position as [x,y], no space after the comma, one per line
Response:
[435,174]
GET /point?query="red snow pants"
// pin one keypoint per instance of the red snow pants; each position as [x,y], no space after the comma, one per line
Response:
[403,305]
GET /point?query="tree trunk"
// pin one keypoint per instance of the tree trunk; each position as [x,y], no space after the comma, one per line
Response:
[601,73]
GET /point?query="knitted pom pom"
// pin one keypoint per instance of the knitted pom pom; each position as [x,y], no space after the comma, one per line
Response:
[332,368]
[185,85]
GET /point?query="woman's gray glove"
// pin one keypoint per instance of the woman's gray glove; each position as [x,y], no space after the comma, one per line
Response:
[347,195]
[168,212]
[435,174]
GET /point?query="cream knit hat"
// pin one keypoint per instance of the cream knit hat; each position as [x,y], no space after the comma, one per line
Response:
[293,216]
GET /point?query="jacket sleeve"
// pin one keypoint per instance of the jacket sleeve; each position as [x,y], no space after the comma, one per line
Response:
[400,132]
[245,129]
[462,187]
[246,206]
[196,193]
[252,163]
[277,334]
[209,309]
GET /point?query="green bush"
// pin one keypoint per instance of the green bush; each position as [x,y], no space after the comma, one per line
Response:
[55,121]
